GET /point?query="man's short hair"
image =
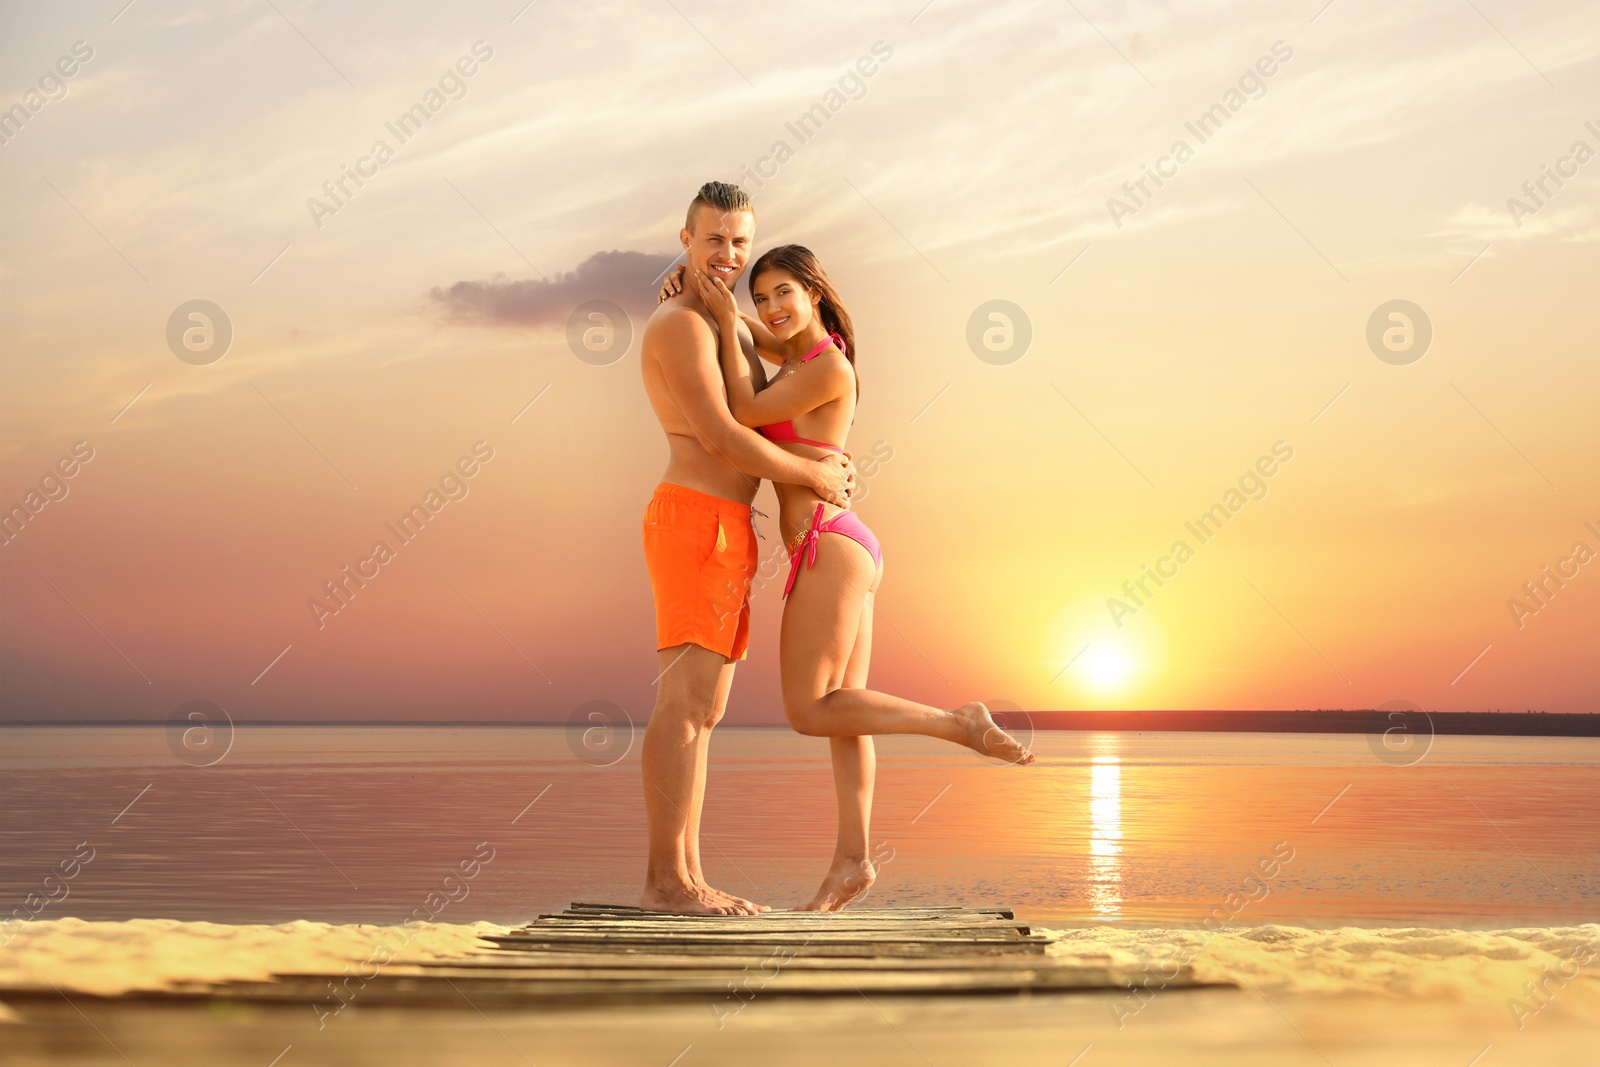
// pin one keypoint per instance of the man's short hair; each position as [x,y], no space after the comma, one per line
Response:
[721,196]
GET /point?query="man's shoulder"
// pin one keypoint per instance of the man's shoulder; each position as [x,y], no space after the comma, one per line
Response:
[677,326]
[673,314]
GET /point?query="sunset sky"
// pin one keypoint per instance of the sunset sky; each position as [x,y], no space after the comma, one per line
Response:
[1177,337]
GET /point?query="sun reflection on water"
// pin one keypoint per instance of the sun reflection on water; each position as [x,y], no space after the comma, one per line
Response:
[1105,833]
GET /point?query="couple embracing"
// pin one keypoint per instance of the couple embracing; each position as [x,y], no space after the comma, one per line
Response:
[728,426]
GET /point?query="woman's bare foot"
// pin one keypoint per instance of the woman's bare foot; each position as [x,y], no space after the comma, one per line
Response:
[686,898]
[985,737]
[846,880]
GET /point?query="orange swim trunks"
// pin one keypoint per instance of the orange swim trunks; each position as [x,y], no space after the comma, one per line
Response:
[701,553]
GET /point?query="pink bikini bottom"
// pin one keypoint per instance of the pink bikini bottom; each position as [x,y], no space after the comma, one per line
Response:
[845,523]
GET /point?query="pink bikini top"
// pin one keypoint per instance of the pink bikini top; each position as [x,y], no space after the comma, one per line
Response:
[784,433]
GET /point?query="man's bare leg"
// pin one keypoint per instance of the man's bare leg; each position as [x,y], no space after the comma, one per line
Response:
[691,842]
[686,699]
[697,803]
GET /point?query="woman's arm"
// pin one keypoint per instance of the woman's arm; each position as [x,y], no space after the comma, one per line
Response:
[693,380]
[766,344]
[825,378]
[737,374]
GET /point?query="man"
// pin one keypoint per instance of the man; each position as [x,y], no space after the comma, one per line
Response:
[700,547]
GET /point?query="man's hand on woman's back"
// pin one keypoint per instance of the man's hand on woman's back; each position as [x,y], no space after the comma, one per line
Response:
[836,479]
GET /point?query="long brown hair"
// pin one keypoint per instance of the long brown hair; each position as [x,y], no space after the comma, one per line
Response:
[801,262]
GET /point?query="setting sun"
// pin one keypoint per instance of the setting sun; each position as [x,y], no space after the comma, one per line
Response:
[1102,666]
[1106,667]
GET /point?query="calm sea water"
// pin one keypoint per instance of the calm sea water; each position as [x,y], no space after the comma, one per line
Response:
[368,824]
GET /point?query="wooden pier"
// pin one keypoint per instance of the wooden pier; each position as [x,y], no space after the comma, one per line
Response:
[613,954]
[610,953]
[612,985]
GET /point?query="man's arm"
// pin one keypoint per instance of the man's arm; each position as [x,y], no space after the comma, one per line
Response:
[694,378]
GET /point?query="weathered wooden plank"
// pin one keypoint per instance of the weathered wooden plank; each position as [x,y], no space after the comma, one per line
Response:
[997,930]
[533,961]
[672,925]
[946,975]
[494,991]
[876,908]
[785,979]
[845,922]
[1002,932]
[736,937]
[799,946]
[628,909]
[865,913]
[668,919]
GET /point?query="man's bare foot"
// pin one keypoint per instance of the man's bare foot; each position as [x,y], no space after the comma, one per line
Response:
[985,737]
[686,898]
[846,880]
[729,898]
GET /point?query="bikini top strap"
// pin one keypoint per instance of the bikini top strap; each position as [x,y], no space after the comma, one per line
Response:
[833,339]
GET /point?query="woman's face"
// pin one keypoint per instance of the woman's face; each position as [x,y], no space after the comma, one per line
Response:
[782,303]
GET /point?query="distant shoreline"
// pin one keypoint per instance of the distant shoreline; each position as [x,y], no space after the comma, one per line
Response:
[1486,723]
[1494,723]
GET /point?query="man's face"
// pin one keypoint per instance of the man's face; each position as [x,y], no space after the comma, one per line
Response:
[720,243]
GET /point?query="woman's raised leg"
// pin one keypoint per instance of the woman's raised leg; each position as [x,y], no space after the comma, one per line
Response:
[819,628]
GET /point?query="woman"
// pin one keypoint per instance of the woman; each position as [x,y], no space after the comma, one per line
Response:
[826,638]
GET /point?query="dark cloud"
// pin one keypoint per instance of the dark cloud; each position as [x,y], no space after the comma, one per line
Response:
[630,279]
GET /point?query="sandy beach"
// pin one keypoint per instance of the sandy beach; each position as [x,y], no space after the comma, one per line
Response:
[80,992]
